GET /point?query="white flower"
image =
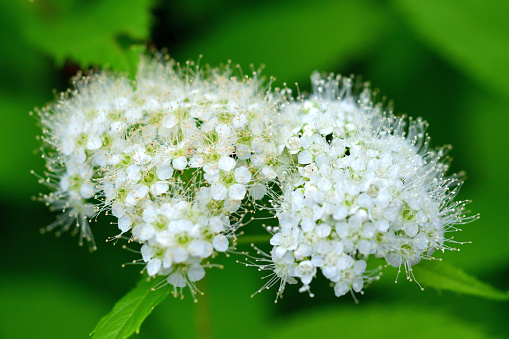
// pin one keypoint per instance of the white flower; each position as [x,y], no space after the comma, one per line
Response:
[226,163]
[124,223]
[257,191]
[153,267]
[237,191]
[269,173]
[165,171]
[351,279]
[179,277]
[136,193]
[287,240]
[218,191]
[180,163]
[305,270]
[243,152]
[196,161]
[224,131]
[200,248]
[240,121]
[146,232]
[195,273]
[220,243]
[159,188]
[293,145]
[305,157]
[242,175]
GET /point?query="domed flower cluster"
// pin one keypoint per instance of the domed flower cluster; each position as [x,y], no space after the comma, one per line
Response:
[364,184]
[179,158]
[171,155]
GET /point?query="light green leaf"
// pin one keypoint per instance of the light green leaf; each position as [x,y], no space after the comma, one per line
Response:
[375,321]
[442,276]
[129,312]
[132,57]
[90,33]
[291,39]
[471,33]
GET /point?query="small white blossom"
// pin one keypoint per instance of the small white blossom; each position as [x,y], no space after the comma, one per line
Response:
[220,243]
[218,191]
[237,191]
[180,163]
[226,163]
[242,175]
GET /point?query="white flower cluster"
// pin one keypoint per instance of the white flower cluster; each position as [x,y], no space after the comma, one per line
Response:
[171,155]
[179,158]
[365,184]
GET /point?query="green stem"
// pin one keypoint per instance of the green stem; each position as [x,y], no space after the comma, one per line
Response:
[255,238]
[203,314]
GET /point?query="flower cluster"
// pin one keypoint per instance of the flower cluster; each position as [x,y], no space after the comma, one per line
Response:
[364,184]
[179,158]
[172,156]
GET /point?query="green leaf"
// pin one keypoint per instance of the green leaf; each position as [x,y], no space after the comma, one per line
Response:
[375,321]
[471,33]
[17,134]
[45,305]
[442,276]
[483,124]
[130,311]
[132,57]
[291,41]
[90,33]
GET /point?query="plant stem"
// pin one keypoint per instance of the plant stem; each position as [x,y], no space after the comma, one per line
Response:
[255,238]
[203,315]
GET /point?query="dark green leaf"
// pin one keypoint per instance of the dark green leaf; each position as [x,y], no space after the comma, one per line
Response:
[17,134]
[443,276]
[483,124]
[292,39]
[471,33]
[130,311]
[45,305]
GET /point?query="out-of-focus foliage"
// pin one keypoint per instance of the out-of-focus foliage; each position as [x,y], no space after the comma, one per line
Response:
[442,60]
[316,37]
[87,32]
[50,298]
[472,34]
[392,321]
[129,312]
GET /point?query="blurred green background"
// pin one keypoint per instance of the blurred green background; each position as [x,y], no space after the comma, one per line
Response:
[444,60]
